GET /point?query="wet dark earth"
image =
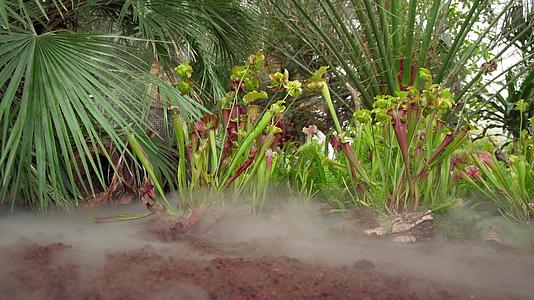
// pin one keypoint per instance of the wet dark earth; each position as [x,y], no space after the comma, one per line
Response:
[284,255]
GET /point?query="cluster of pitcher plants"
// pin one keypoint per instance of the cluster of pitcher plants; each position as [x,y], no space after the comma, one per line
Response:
[400,156]
[232,150]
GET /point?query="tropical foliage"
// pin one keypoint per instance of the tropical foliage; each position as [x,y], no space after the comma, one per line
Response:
[75,81]
[508,180]
[134,96]
[377,47]
[499,109]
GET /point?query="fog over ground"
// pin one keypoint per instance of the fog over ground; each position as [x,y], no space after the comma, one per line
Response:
[293,231]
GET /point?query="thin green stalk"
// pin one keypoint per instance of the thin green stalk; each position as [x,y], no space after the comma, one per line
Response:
[520,129]
[396,30]
[358,8]
[481,37]
[353,160]
[481,72]
[335,51]
[409,43]
[427,37]
[469,20]
[384,26]
[381,47]
[359,49]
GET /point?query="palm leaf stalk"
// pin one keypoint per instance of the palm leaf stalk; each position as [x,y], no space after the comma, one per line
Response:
[427,36]
[464,28]
[481,72]
[409,42]
[379,40]
[396,30]
[477,43]
[138,151]
[356,45]
[336,52]
[375,56]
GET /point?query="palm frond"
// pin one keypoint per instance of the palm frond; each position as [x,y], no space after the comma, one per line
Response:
[62,94]
[212,34]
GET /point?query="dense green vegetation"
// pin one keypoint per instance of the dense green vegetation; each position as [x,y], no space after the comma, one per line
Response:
[387,105]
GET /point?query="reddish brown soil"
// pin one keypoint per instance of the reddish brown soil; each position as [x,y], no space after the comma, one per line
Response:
[37,276]
[211,270]
[144,274]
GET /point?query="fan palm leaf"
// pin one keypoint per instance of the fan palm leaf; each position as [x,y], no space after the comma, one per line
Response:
[210,33]
[64,93]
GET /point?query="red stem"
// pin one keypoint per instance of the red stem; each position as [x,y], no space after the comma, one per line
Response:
[242,169]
